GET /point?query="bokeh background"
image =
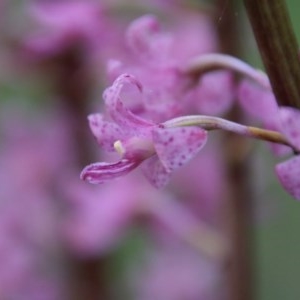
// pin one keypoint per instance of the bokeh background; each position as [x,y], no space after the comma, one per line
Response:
[25,98]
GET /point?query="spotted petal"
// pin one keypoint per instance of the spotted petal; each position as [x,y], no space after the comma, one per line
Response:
[105,132]
[97,173]
[290,126]
[155,172]
[176,146]
[288,173]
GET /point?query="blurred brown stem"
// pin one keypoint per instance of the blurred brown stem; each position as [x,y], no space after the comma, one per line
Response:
[238,207]
[73,85]
[278,48]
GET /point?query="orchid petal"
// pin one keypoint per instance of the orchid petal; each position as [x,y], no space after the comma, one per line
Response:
[119,113]
[277,149]
[258,102]
[215,93]
[290,125]
[146,40]
[97,173]
[105,132]
[155,172]
[288,173]
[176,146]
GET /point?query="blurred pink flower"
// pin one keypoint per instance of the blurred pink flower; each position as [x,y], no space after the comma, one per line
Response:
[200,184]
[156,58]
[214,94]
[260,103]
[155,46]
[174,272]
[98,218]
[28,237]
[29,164]
[77,25]
[289,171]
[147,42]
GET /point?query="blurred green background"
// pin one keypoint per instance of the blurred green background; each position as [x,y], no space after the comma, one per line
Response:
[278,240]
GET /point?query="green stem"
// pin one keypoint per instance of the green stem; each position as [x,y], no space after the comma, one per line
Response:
[278,47]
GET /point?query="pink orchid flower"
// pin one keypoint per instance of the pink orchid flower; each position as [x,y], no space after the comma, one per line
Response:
[160,149]
[288,171]
[171,92]
[260,103]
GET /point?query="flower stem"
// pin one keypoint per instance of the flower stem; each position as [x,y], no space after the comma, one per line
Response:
[213,123]
[215,61]
[278,47]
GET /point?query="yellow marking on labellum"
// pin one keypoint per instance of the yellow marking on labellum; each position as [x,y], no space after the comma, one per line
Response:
[119,147]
